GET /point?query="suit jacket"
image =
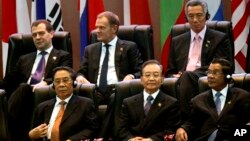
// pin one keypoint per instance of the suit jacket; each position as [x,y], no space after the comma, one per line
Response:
[23,69]
[204,118]
[79,121]
[163,117]
[127,60]
[215,45]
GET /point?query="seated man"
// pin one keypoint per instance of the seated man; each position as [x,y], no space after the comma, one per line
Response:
[32,70]
[77,122]
[193,51]
[216,113]
[151,114]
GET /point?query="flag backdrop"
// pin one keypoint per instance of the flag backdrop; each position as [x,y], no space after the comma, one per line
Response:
[49,10]
[241,23]
[15,18]
[171,13]
[88,10]
[215,9]
[135,15]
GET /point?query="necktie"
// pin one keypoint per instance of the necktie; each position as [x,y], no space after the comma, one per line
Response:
[218,102]
[55,128]
[36,78]
[104,71]
[148,104]
[195,54]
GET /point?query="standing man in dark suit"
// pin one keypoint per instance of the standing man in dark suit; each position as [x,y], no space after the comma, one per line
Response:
[189,57]
[79,119]
[124,62]
[143,120]
[216,113]
[22,78]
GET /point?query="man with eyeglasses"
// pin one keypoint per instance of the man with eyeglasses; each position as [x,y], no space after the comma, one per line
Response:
[151,114]
[192,52]
[217,112]
[78,121]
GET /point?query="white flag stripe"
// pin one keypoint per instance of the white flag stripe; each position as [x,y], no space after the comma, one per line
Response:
[238,13]
[213,6]
[82,6]
[5,47]
[126,11]
[23,20]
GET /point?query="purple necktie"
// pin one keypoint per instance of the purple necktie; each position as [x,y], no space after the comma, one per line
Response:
[37,76]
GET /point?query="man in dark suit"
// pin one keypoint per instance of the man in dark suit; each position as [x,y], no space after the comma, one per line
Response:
[216,113]
[79,119]
[141,122]
[189,57]
[124,61]
[21,79]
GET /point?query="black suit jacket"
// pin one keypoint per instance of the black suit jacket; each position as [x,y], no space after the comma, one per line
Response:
[79,121]
[163,117]
[23,68]
[215,45]
[127,60]
[204,118]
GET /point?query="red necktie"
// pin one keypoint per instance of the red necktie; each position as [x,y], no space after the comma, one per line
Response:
[195,54]
[55,130]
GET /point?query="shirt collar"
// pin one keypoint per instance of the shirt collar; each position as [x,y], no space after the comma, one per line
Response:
[58,100]
[201,34]
[112,42]
[48,50]
[145,94]
[223,91]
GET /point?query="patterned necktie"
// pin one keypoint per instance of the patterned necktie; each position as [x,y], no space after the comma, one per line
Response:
[37,76]
[148,104]
[218,102]
[218,108]
[104,71]
[195,54]
[55,129]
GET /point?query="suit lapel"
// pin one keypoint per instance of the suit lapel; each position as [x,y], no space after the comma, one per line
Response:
[229,100]
[211,105]
[70,108]
[48,110]
[53,56]
[30,63]
[119,50]
[206,45]
[185,48]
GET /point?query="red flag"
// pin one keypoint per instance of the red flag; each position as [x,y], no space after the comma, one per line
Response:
[241,23]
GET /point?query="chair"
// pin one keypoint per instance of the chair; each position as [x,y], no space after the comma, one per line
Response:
[20,44]
[240,81]
[142,35]
[4,132]
[223,26]
[126,89]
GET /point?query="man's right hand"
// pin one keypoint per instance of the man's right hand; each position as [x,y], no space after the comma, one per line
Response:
[181,135]
[81,79]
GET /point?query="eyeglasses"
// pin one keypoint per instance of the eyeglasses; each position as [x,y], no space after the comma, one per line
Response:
[198,16]
[155,75]
[216,72]
[63,80]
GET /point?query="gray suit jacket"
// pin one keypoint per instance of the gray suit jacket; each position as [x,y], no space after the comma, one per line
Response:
[215,45]
[79,121]
[163,117]
[127,60]
[204,118]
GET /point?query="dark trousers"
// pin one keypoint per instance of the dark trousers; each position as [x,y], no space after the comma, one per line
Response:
[20,107]
[187,88]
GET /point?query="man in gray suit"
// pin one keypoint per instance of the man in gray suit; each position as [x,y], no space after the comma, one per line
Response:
[217,112]
[189,57]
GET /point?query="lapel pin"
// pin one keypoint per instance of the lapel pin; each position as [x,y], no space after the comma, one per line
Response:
[54,57]
[159,104]
[229,102]
[121,49]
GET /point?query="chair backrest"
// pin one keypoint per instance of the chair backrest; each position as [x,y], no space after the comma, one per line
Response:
[142,35]
[20,44]
[4,132]
[240,81]
[126,89]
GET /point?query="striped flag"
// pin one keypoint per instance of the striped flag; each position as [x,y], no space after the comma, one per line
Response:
[215,9]
[88,10]
[171,13]
[15,19]
[135,15]
[241,23]
[49,10]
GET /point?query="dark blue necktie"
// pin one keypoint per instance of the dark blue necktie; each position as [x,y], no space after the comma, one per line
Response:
[148,104]
[37,76]
[104,71]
